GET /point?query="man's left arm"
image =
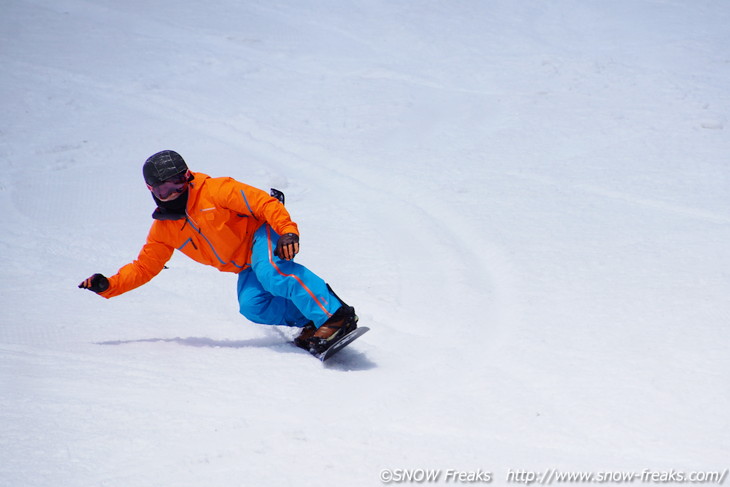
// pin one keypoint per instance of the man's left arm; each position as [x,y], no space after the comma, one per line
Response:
[255,202]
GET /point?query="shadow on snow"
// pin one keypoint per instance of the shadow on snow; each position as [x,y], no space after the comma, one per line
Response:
[345,360]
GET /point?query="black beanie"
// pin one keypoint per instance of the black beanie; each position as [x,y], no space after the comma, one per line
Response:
[162,166]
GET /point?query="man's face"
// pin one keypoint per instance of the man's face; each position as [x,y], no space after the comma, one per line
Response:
[170,189]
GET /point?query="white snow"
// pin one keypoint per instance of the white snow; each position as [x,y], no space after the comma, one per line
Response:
[526,201]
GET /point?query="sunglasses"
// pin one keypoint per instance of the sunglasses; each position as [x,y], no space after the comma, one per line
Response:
[167,188]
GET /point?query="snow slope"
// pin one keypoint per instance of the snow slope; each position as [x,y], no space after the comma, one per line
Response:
[526,201]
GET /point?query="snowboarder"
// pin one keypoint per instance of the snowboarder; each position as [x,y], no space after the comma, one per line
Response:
[235,228]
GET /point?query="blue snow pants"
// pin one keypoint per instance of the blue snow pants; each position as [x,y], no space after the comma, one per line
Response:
[274,291]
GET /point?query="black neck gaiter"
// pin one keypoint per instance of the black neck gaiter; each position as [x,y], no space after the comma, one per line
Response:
[171,210]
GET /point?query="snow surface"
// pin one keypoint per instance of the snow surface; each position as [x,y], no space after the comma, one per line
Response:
[526,201]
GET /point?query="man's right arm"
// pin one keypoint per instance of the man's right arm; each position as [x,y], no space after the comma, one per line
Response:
[151,260]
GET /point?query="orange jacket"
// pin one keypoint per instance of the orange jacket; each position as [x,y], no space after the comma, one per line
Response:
[222,216]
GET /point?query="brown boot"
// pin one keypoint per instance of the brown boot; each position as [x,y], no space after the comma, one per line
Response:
[341,323]
[302,340]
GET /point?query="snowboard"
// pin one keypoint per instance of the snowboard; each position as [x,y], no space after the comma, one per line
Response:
[341,343]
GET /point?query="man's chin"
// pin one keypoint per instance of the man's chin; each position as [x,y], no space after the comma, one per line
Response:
[172,197]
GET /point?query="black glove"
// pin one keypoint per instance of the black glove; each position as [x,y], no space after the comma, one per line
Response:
[287,246]
[97,283]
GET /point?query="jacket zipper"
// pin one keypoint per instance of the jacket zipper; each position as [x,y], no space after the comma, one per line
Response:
[188,219]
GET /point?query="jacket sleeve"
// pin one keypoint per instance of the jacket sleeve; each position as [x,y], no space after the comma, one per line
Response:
[151,260]
[247,200]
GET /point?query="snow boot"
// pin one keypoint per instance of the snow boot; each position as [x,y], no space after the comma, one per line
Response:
[341,323]
[302,340]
